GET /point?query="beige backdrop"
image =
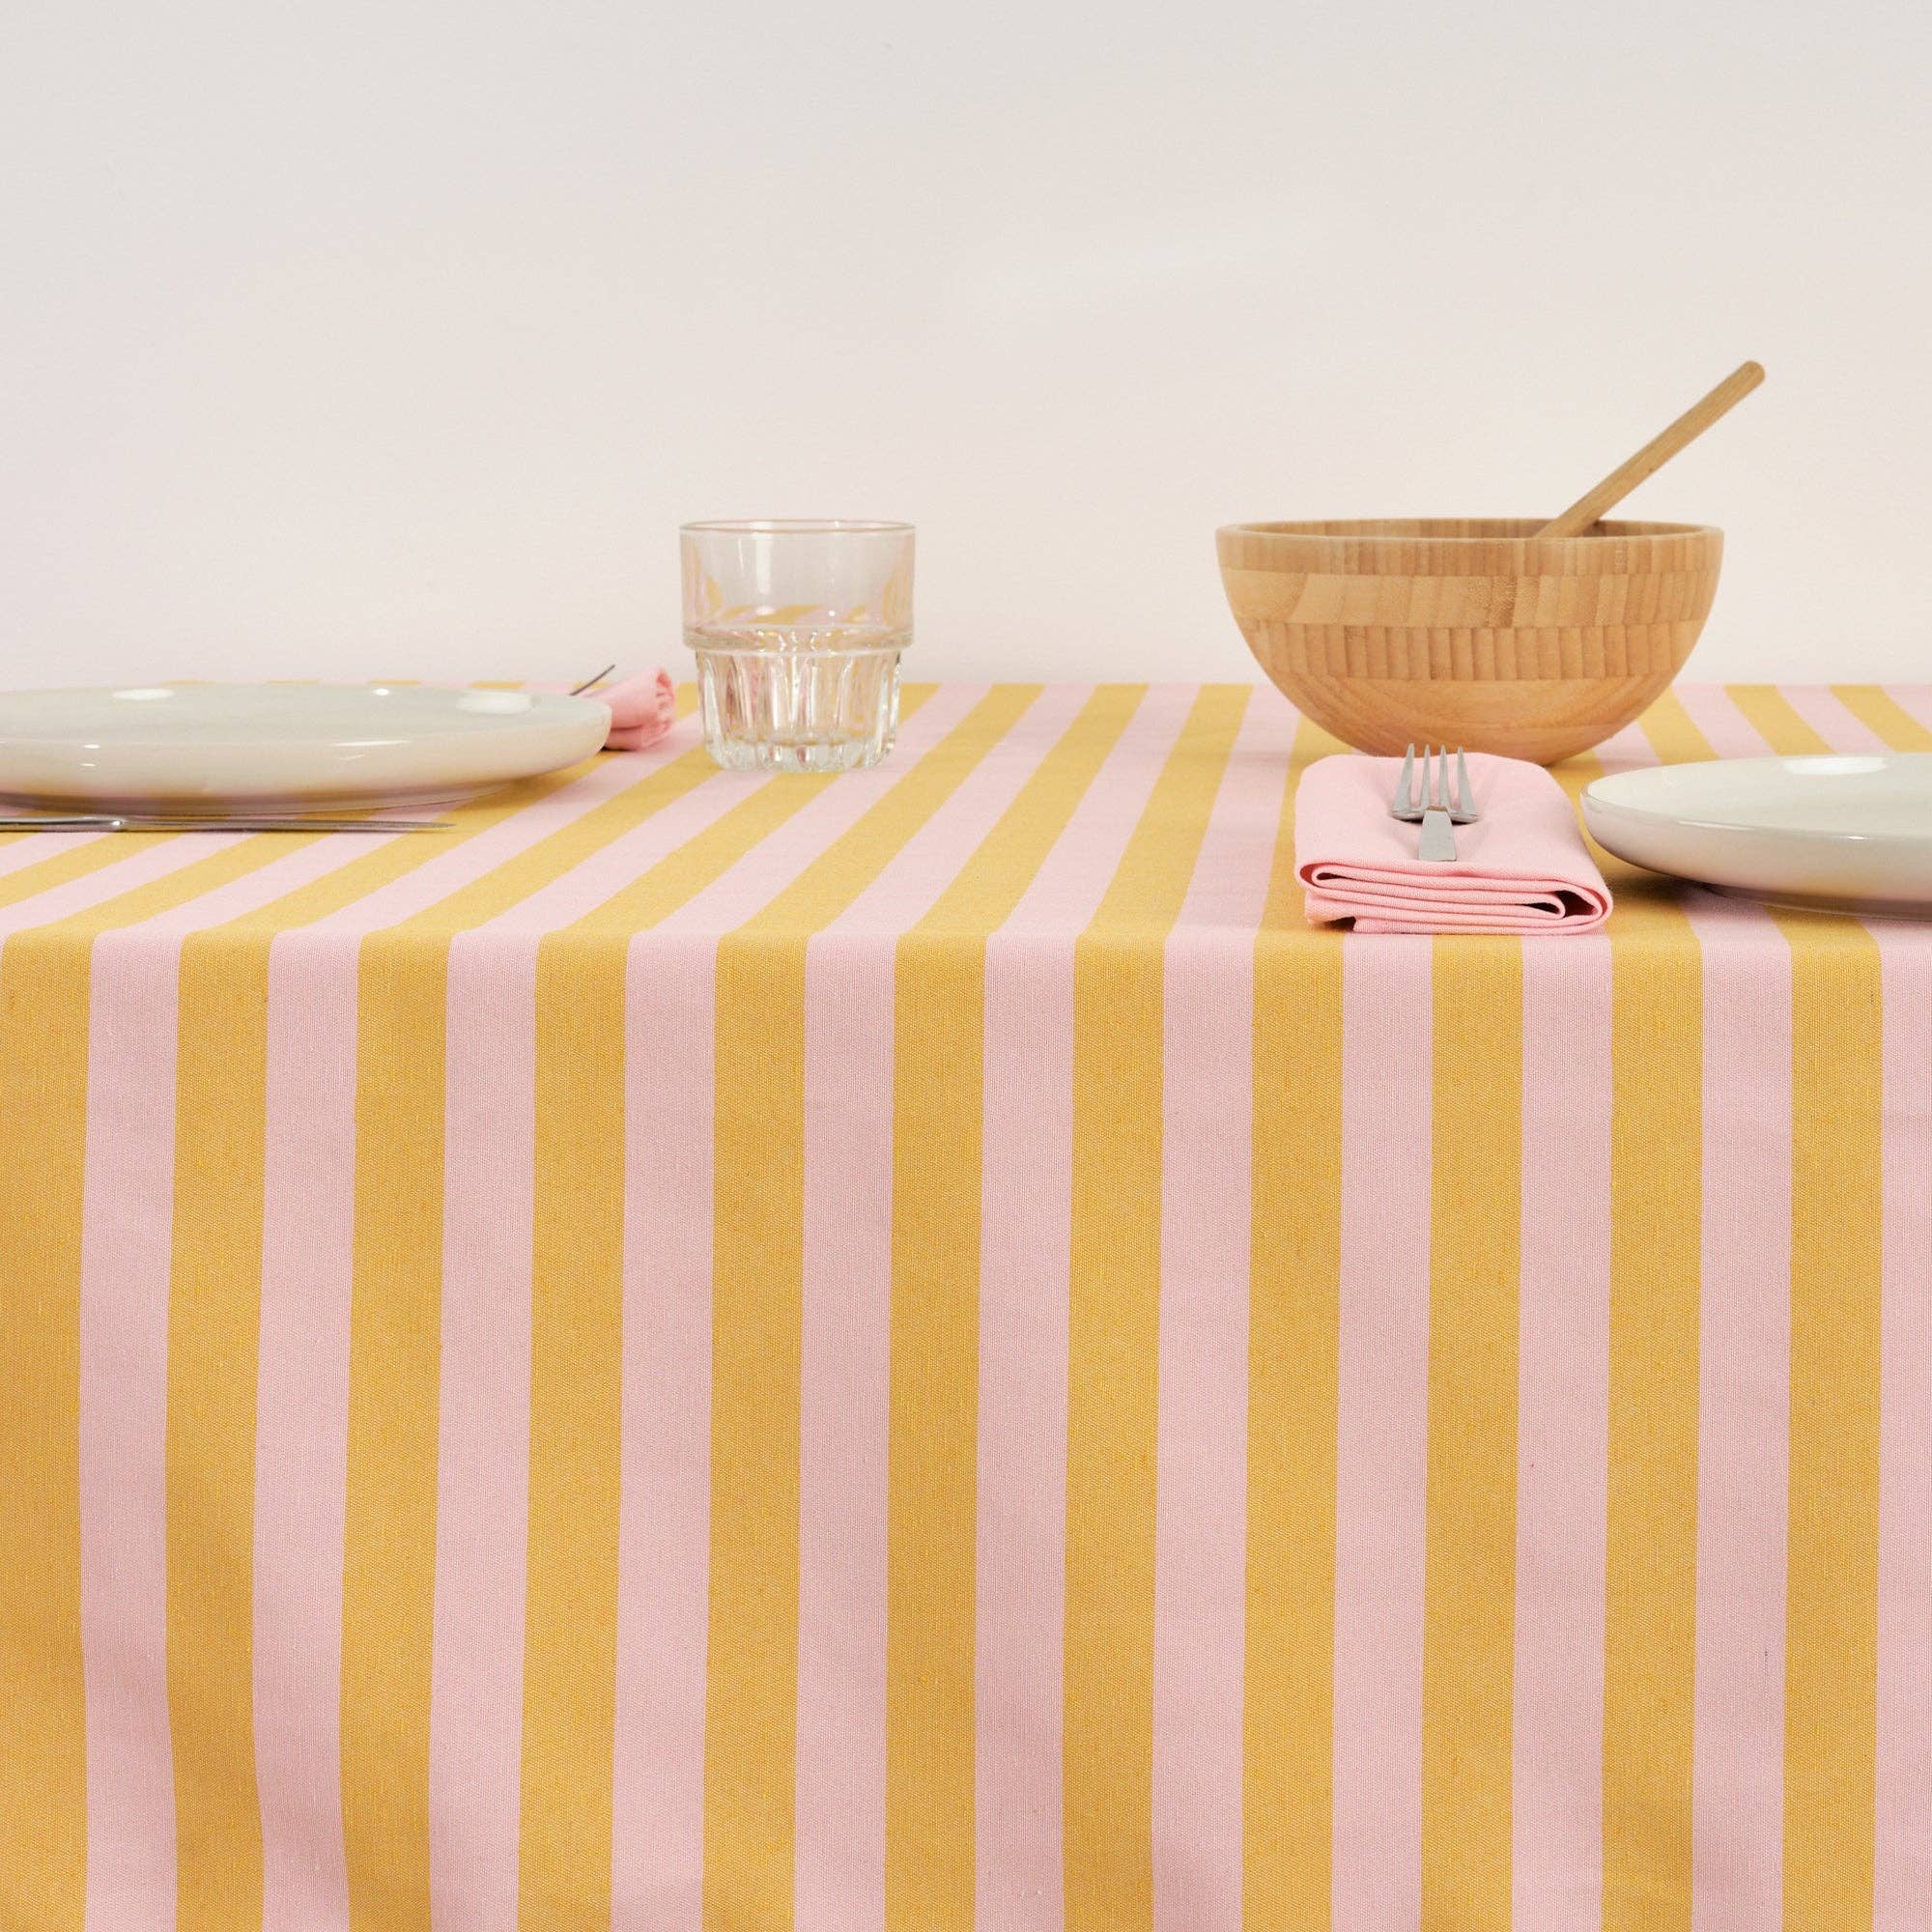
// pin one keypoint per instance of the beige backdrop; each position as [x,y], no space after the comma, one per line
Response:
[390,340]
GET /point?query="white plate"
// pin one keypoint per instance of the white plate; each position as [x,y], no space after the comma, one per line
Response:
[1836,833]
[192,750]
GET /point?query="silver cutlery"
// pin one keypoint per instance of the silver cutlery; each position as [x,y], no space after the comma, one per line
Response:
[101,821]
[1432,804]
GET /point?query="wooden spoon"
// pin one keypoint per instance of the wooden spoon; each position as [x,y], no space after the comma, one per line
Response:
[1655,454]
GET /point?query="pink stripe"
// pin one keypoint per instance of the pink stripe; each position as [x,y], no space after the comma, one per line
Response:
[248,894]
[1382,1432]
[302,1424]
[778,859]
[1628,747]
[303,1404]
[309,1211]
[127,1225]
[1066,890]
[664,1527]
[1201,1455]
[453,866]
[1915,699]
[1027,1157]
[1725,729]
[1562,1436]
[846,1384]
[1903,1877]
[1563,1422]
[774,862]
[95,888]
[127,1238]
[1744,1397]
[1825,712]
[35,848]
[125,1315]
[666,1512]
[663,1550]
[1744,1415]
[302,1390]
[912,880]
[475,1769]
[1027,1164]
[845,1422]
[1902,1886]
[601,876]
[450,869]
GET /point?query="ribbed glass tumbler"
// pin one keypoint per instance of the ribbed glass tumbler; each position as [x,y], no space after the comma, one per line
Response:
[798,625]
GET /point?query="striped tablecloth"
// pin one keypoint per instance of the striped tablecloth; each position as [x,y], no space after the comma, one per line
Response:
[916,1350]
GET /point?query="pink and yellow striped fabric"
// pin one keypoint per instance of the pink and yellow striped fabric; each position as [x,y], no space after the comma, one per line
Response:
[919,1351]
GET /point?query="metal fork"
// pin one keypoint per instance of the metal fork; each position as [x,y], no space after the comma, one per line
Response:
[1432,804]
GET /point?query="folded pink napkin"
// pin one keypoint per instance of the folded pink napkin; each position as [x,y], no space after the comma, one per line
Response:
[1522,866]
[640,710]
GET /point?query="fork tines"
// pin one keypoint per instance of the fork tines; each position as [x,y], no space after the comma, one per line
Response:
[1431,789]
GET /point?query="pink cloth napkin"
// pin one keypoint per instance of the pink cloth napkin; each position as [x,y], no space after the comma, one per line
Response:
[643,708]
[1522,866]
[640,710]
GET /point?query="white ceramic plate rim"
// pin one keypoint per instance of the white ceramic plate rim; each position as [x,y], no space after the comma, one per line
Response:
[1783,834]
[1603,800]
[282,747]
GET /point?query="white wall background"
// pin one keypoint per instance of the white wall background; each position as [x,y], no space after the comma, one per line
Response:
[387,338]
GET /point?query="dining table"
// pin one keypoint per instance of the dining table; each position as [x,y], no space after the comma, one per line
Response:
[918,1350]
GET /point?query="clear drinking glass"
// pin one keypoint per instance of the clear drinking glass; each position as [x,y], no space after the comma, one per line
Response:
[798,625]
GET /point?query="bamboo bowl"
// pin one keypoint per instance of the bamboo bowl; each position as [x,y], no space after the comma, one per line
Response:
[1471,631]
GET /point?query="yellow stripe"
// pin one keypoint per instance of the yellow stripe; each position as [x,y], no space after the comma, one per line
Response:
[1294,1315]
[1771,715]
[342,887]
[212,1305]
[382,864]
[214,1324]
[547,861]
[214,1309]
[1673,737]
[939,1019]
[1114,1335]
[1656,1263]
[377,866]
[60,869]
[1831,1632]
[1475,1223]
[1878,711]
[43,1050]
[577,1333]
[212,1329]
[44,1044]
[43,1002]
[394,1338]
[938,1033]
[751,1710]
[389,1535]
[577,1319]
[1656,1258]
[750,1719]
[701,858]
[1831,1643]
[1656,1020]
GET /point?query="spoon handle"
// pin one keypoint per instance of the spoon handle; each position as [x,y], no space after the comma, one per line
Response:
[1655,454]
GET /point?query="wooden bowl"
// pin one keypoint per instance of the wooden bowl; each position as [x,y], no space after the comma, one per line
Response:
[1470,631]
